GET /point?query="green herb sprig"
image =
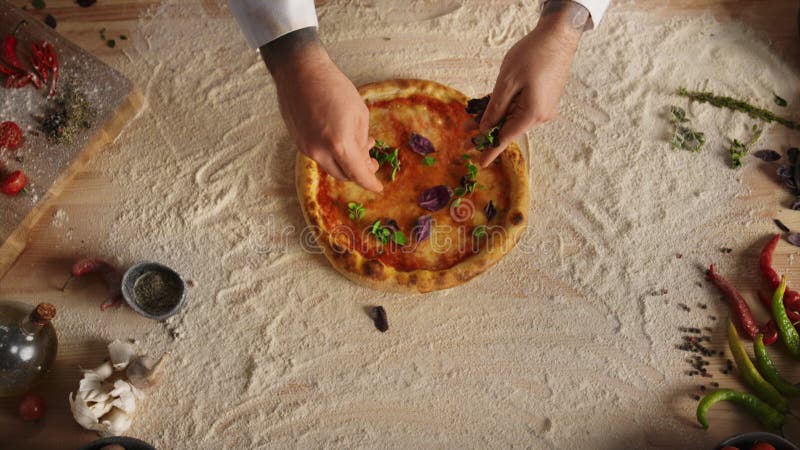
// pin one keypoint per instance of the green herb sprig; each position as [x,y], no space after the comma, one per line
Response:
[355,210]
[737,105]
[738,149]
[428,161]
[385,154]
[683,137]
[384,234]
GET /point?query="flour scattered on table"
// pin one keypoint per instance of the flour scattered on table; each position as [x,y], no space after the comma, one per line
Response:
[561,334]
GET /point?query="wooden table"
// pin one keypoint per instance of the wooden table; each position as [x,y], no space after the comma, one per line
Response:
[41,268]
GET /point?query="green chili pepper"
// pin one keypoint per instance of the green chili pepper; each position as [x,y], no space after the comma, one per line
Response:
[769,371]
[750,374]
[786,330]
[765,414]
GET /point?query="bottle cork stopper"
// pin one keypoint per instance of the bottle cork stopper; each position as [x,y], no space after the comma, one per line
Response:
[43,313]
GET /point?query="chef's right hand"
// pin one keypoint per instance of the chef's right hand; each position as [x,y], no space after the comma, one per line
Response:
[326,116]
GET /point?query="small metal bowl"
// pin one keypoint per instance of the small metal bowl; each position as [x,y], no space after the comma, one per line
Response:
[142,268]
[128,443]
[747,440]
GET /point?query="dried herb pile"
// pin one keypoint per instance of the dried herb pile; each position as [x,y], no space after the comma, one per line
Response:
[66,116]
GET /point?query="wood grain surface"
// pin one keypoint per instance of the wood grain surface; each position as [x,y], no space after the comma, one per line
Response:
[40,270]
[49,166]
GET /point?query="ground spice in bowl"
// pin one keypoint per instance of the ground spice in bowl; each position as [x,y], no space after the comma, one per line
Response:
[157,292]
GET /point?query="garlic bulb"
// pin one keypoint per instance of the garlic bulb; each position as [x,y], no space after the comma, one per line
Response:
[109,408]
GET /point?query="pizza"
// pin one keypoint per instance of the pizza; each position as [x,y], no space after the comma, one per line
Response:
[441,219]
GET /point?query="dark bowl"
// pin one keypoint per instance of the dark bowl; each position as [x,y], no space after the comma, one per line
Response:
[746,440]
[128,442]
[129,280]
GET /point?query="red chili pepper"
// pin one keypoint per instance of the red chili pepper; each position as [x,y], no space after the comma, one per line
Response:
[766,300]
[737,303]
[8,53]
[792,298]
[10,135]
[108,272]
[13,183]
[770,332]
[45,61]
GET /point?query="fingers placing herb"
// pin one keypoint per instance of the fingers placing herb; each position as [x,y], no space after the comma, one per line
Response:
[779,100]
[469,181]
[355,211]
[386,155]
[435,198]
[738,150]
[388,232]
[420,144]
[737,105]
[684,137]
[491,138]
[428,161]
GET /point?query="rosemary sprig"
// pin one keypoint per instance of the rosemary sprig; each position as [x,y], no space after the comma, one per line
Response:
[737,105]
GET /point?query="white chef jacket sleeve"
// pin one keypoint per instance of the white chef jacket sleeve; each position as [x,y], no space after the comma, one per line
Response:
[263,21]
[596,8]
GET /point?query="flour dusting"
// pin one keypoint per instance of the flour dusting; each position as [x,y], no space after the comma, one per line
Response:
[567,343]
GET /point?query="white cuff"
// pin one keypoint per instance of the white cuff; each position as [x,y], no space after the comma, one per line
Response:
[596,9]
[263,21]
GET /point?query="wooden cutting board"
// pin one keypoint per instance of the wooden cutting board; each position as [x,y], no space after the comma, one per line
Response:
[50,167]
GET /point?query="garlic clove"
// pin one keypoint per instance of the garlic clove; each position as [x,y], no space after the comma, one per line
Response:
[100,372]
[121,353]
[115,423]
[125,397]
[82,413]
[144,373]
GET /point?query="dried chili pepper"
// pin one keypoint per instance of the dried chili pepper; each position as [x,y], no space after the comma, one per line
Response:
[736,302]
[787,332]
[8,52]
[765,414]
[109,274]
[750,375]
[14,183]
[792,298]
[768,370]
[10,135]
[45,61]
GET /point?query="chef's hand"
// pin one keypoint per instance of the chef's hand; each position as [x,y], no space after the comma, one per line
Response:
[533,74]
[326,116]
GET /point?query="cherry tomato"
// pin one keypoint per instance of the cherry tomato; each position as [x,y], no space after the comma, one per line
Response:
[32,407]
[10,135]
[729,447]
[762,446]
[13,183]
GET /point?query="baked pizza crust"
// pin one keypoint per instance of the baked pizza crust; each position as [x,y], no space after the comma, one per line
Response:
[374,273]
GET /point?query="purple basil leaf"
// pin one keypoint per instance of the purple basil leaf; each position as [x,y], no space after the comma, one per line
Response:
[477,106]
[490,211]
[420,144]
[435,198]
[422,229]
[792,153]
[786,172]
[767,155]
[794,239]
[796,204]
[390,224]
